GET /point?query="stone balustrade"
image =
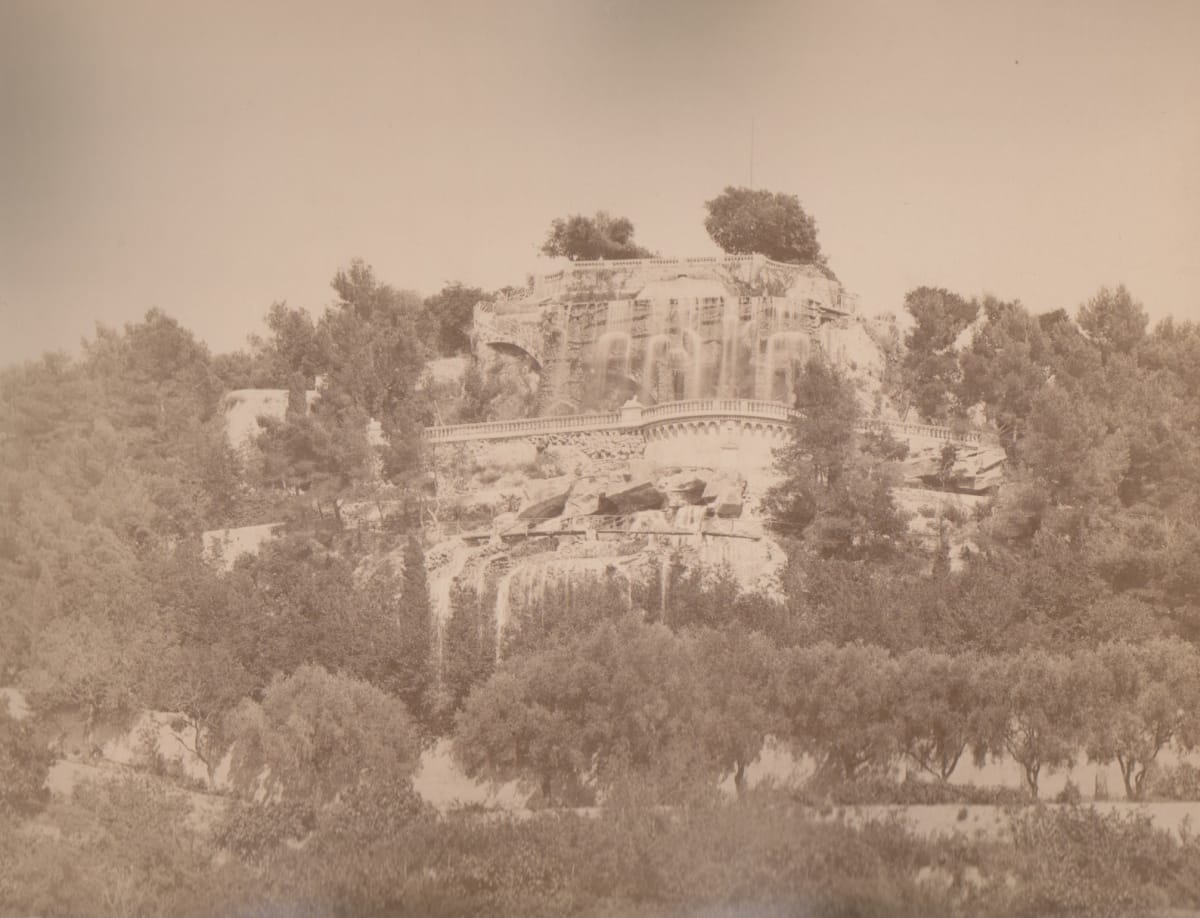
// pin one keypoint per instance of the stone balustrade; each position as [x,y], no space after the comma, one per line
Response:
[586,266]
[523,427]
[718,407]
[636,417]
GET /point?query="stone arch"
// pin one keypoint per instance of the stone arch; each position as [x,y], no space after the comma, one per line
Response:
[503,345]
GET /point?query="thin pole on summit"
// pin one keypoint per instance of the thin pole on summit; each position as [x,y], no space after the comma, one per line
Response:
[751,152]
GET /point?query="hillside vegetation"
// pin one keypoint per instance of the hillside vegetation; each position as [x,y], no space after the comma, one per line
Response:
[311,675]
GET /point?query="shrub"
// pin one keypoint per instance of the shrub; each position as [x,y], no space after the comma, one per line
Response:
[880,790]
[24,764]
[1174,782]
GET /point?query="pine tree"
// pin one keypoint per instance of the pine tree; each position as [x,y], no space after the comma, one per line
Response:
[416,672]
[834,489]
[468,648]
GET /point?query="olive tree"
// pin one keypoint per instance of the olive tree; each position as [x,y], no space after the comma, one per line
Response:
[316,735]
[838,703]
[1147,698]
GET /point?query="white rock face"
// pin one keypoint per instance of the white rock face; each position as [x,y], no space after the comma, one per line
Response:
[444,370]
[13,700]
[623,531]
[223,547]
[243,408]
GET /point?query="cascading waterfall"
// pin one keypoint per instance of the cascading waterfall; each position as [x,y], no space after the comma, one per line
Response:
[657,347]
[721,345]
[502,606]
[690,517]
[610,347]
[727,379]
[532,585]
[442,592]
[785,351]
[693,347]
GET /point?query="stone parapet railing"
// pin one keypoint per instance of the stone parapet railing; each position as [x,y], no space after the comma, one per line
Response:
[635,262]
[904,430]
[566,267]
[523,427]
[637,417]
[717,407]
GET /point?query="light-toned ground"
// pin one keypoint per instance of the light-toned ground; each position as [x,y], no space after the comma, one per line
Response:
[444,786]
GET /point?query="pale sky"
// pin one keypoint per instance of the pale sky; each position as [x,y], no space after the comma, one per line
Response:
[210,158]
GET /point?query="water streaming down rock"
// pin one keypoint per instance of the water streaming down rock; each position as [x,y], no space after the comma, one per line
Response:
[667,489]
[611,357]
[786,352]
[444,577]
[598,330]
[727,377]
[701,341]
[657,348]
[541,584]
[633,571]
[693,348]
[502,607]
[690,517]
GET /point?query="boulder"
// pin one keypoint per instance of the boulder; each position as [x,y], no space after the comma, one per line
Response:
[633,496]
[612,494]
[547,526]
[585,497]
[545,497]
[976,468]
[722,483]
[683,488]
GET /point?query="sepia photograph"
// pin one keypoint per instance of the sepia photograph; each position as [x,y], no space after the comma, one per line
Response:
[599,458]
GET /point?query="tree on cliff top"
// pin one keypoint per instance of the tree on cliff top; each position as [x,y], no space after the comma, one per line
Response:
[589,238]
[744,221]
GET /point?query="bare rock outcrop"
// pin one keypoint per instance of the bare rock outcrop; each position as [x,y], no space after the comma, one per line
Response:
[640,494]
[545,497]
[976,469]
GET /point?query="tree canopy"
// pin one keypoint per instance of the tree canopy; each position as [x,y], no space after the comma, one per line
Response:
[449,314]
[834,486]
[744,221]
[318,734]
[589,238]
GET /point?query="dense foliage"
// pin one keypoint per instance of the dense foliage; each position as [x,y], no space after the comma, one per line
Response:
[382,853]
[312,675]
[835,487]
[590,238]
[746,221]
[24,764]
